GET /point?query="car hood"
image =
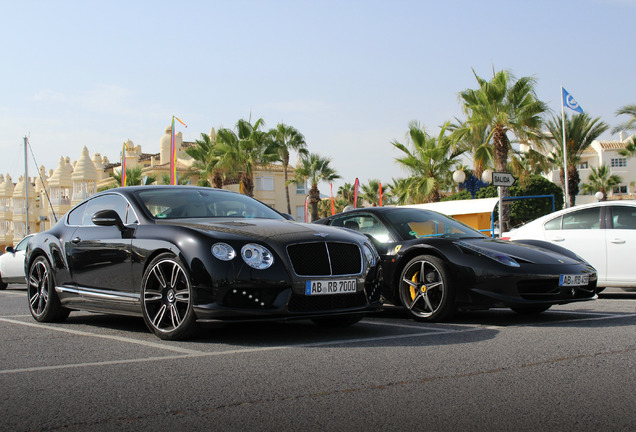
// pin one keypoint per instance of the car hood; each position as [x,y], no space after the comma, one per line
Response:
[270,229]
[520,252]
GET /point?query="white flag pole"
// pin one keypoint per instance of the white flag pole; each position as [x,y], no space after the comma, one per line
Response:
[565,154]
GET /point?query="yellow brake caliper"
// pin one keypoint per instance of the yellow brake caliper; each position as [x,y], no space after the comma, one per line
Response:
[412,288]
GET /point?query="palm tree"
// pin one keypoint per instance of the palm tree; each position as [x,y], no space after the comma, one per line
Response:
[630,148]
[630,124]
[580,131]
[315,169]
[240,152]
[600,180]
[371,192]
[284,139]
[206,161]
[504,105]
[183,179]
[429,160]
[474,139]
[347,193]
[134,177]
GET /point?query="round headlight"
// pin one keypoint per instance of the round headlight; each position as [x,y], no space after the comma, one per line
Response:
[369,253]
[223,251]
[257,256]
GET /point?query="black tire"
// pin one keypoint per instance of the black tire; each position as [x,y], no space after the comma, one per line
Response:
[3,285]
[44,303]
[166,293]
[530,309]
[425,289]
[337,321]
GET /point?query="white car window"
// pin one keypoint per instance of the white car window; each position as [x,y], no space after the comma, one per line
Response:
[589,218]
[624,217]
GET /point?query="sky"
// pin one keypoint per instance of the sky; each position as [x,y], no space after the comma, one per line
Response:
[349,75]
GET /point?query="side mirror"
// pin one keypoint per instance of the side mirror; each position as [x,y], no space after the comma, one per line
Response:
[9,249]
[108,218]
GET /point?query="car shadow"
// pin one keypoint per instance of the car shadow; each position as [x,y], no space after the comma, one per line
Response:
[301,333]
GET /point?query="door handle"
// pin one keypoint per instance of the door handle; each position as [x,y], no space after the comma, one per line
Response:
[558,239]
[76,240]
[618,241]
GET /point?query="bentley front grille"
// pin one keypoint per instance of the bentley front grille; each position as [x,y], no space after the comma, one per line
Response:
[325,259]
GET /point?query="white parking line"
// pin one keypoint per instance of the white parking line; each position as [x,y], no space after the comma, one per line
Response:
[188,353]
[117,338]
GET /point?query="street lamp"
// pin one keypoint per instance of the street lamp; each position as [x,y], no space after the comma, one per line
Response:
[459,176]
[599,196]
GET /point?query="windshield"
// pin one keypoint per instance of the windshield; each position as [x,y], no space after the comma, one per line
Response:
[186,202]
[413,223]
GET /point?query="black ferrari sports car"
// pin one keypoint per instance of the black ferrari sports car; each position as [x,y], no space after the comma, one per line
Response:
[433,265]
[180,256]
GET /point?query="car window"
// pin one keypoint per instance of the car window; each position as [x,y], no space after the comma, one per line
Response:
[623,217]
[179,203]
[416,223]
[22,245]
[103,202]
[364,223]
[589,218]
[76,215]
[554,224]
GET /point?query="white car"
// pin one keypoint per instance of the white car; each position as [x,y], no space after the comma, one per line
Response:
[12,264]
[603,233]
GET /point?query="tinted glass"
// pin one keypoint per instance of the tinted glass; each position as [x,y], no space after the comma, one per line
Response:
[185,202]
[110,201]
[554,224]
[23,244]
[364,223]
[623,217]
[589,218]
[415,223]
[76,215]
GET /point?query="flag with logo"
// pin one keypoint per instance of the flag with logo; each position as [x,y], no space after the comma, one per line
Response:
[570,102]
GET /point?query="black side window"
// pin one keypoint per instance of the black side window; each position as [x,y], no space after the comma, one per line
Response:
[76,215]
[115,202]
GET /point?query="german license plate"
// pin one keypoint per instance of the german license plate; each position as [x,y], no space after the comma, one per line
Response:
[573,280]
[330,286]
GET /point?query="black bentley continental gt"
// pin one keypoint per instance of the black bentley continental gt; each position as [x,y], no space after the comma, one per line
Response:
[181,256]
[434,265]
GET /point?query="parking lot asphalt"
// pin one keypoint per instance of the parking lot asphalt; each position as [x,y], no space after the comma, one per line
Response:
[570,368]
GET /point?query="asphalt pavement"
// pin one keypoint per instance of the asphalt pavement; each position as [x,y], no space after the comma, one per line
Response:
[572,368]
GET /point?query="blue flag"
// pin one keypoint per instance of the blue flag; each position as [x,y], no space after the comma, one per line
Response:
[570,102]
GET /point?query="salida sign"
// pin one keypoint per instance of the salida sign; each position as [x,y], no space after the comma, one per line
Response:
[502,179]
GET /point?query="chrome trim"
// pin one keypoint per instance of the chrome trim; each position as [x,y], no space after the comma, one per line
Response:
[96,294]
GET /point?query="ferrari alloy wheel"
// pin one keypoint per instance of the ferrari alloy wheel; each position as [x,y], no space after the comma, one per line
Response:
[425,289]
[43,301]
[167,298]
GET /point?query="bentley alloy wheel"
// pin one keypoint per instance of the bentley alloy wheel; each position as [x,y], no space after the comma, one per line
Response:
[167,298]
[44,304]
